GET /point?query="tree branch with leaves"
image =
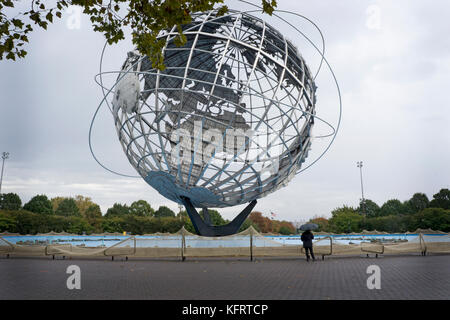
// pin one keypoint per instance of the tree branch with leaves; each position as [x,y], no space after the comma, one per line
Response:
[146,18]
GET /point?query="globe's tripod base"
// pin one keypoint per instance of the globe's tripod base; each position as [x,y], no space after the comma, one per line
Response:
[204,228]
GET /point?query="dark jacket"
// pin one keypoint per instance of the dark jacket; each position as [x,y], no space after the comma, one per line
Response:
[307,238]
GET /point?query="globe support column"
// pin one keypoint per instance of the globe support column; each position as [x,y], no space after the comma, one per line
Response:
[208,230]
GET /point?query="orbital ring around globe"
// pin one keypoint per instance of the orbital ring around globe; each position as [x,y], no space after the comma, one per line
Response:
[333,133]
[240,185]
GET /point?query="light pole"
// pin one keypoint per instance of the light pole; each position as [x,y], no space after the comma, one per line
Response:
[180,207]
[5,155]
[359,164]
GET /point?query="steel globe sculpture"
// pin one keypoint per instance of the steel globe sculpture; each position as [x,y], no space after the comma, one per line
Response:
[228,121]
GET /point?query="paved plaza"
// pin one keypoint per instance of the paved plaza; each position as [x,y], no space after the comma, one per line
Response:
[402,277]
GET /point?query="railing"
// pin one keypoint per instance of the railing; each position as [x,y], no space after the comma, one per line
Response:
[423,245]
[6,247]
[118,250]
[370,248]
[58,249]
[320,252]
[247,244]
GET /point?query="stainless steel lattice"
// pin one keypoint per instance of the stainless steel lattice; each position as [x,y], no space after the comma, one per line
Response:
[228,121]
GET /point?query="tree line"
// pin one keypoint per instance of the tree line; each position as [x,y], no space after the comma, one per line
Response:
[80,215]
[392,216]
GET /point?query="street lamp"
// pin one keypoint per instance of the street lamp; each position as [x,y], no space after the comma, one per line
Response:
[359,164]
[5,155]
[180,207]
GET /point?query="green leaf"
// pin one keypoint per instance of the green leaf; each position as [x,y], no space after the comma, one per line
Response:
[8,3]
[35,16]
[49,17]
[17,23]
[11,56]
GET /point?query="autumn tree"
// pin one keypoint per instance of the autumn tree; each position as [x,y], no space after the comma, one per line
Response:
[56,201]
[264,224]
[286,228]
[83,203]
[93,216]
[322,222]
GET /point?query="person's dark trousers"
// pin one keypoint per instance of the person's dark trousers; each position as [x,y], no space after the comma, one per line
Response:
[310,251]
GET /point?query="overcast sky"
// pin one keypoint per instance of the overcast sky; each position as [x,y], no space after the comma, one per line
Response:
[392,61]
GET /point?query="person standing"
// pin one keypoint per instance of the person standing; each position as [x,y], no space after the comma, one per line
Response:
[307,238]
